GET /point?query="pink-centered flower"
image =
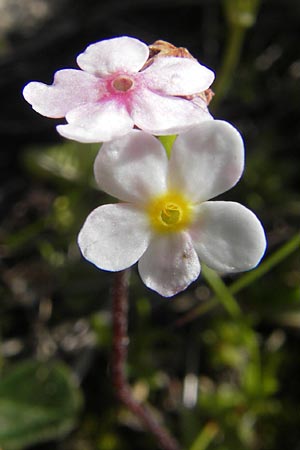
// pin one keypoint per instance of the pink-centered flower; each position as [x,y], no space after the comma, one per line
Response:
[114,92]
[165,219]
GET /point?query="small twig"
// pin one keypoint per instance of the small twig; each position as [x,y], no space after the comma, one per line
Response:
[119,357]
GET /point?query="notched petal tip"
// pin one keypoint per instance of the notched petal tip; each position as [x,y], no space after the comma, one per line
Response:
[27,90]
[28,93]
[39,96]
[70,88]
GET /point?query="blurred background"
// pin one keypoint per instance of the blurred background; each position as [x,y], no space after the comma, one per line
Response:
[220,362]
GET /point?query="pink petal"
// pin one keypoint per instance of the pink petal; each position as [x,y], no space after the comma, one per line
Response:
[228,237]
[165,115]
[114,237]
[97,122]
[123,54]
[177,76]
[169,264]
[206,160]
[132,168]
[70,89]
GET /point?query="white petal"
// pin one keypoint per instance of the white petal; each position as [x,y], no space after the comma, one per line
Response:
[178,76]
[162,115]
[132,168]
[201,103]
[112,55]
[97,122]
[114,236]
[169,264]
[70,89]
[228,237]
[207,160]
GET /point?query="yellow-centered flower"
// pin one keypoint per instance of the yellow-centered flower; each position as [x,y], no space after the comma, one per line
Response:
[165,219]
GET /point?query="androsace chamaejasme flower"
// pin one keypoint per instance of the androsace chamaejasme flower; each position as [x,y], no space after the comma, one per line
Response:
[165,219]
[119,88]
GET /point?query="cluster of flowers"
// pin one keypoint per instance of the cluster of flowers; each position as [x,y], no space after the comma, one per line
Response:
[126,95]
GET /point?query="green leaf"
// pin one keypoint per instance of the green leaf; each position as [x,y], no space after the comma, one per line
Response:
[38,402]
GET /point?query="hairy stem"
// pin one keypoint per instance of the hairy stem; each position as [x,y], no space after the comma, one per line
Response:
[119,358]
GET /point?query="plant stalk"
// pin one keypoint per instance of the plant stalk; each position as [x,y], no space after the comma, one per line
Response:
[119,358]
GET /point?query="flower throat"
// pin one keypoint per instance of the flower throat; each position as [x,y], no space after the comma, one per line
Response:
[169,212]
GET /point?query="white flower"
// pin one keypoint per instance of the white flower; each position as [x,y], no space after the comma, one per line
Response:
[165,220]
[115,92]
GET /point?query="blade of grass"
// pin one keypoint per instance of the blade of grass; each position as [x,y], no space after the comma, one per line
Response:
[245,280]
[222,292]
[272,261]
[205,437]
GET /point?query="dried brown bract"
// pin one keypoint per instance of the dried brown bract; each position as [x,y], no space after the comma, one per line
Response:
[163,48]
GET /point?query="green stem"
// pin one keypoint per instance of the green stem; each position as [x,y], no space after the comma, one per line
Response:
[230,61]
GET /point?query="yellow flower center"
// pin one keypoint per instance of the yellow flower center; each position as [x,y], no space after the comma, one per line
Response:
[169,212]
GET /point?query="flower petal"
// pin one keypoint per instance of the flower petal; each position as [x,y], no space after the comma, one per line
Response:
[228,237]
[162,115]
[70,89]
[96,122]
[114,237]
[201,103]
[177,76]
[132,168]
[112,55]
[169,264]
[207,160]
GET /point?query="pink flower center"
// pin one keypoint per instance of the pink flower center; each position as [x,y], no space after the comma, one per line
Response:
[122,83]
